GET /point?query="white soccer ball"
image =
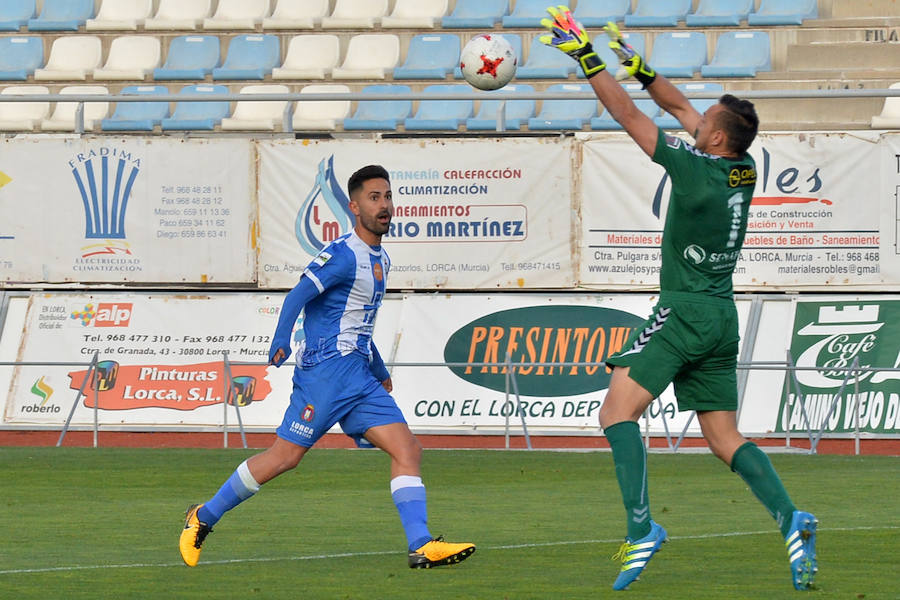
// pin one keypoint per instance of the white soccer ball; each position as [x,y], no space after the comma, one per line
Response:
[488,61]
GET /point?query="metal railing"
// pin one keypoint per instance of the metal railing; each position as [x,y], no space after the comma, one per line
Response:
[289,98]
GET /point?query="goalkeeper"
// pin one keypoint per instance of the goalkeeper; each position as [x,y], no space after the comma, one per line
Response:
[691,339]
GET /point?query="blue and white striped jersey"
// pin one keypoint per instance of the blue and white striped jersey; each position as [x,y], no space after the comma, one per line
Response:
[341,291]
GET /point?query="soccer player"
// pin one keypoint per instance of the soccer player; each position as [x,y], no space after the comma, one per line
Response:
[692,337]
[339,378]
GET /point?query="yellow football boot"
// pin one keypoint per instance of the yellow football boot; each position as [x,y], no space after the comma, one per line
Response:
[437,552]
[192,536]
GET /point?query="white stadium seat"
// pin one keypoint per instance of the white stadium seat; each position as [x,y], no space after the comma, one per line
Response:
[71,57]
[321,115]
[131,58]
[309,57]
[179,14]
[890,113]
[296,14]
[355,14]
[257,116]
[237,14]
[23,116]
[63,117]
[120,15]
[415,14]
[369,56]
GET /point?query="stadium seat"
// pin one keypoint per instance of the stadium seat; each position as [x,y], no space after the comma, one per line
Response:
[198,115]
[516,112]
[309,57]
[645,105]
[601,45]
[63,117]
[296,14]
[62,15]
[719,12]
[658,13]
[19,57]
[249,57]
[596,13]
[179,14]
[355,14]
[138,116]
[237,14]
[265,115]
[16,13]
[23,116]
[740,54]
[890,113]
[369,56]
[476,14]
[71,57]
[783,12]
[430,56]
[321,115]
[120,15]
[526,13]
[380,115]
[544,62]
[441,115]
[131,57]
[415,14]
[679,53]
[514,39]
[667,121]
[564,114]
[190,57]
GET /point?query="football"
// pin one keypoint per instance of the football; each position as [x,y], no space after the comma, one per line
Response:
[488,61]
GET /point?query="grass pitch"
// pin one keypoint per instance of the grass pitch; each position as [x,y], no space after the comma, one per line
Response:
[104,523]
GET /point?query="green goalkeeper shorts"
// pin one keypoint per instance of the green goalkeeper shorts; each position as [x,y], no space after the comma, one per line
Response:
[690,340]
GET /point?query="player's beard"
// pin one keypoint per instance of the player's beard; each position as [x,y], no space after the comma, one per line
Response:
[376,226]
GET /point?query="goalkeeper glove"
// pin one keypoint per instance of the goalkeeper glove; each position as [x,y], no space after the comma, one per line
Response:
[569,36]
[632,63]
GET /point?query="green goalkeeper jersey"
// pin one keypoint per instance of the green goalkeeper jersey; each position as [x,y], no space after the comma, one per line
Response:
[706,218]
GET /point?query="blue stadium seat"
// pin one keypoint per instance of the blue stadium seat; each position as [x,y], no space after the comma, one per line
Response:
[667,121]
[783,12]
[565,114]
[198,115]
[596,13]
[249,57]
[740,54]
[526,13]
[476,14]
[15,13]
[545,62]
[679,53]
[719,12]
[658,13]
[645,105]
[601,45]
[190,57]
[441,115]
[62,15]
[138,116]
[517,112]
[19,57]
[514,39]
[430,56]
[380,115]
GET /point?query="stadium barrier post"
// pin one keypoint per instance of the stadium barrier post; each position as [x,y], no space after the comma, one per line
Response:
[684,431]
[518,407]
[662,414]
[856,412]
[96,384]
[506,403]
[501,116]
[79,118]
[287,124]
[230,396]
[834,399]
[91,368]
[792,368]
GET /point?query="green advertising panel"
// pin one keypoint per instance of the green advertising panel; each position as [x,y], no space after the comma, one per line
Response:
[832,336]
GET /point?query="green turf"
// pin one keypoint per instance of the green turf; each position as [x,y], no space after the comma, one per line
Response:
[545,524]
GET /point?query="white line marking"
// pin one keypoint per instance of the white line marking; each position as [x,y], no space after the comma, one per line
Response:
[232,561]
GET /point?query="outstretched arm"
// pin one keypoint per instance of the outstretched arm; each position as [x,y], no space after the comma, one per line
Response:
[303,292]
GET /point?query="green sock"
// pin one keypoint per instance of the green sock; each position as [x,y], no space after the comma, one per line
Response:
[630,458]
[757,471]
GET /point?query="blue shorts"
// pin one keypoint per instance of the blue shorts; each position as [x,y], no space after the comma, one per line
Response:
[338,390]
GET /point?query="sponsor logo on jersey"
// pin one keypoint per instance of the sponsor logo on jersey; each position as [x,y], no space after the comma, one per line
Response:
[739,176]
[321,258]
[695,254]
[378,272]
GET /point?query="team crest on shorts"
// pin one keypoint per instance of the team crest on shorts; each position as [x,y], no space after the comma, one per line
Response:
[308,413]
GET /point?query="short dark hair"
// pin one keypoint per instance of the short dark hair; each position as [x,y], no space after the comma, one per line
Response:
[363,175]
[739,121]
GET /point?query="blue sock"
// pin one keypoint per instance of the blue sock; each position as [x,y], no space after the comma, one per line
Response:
[409,496]
[240,486]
